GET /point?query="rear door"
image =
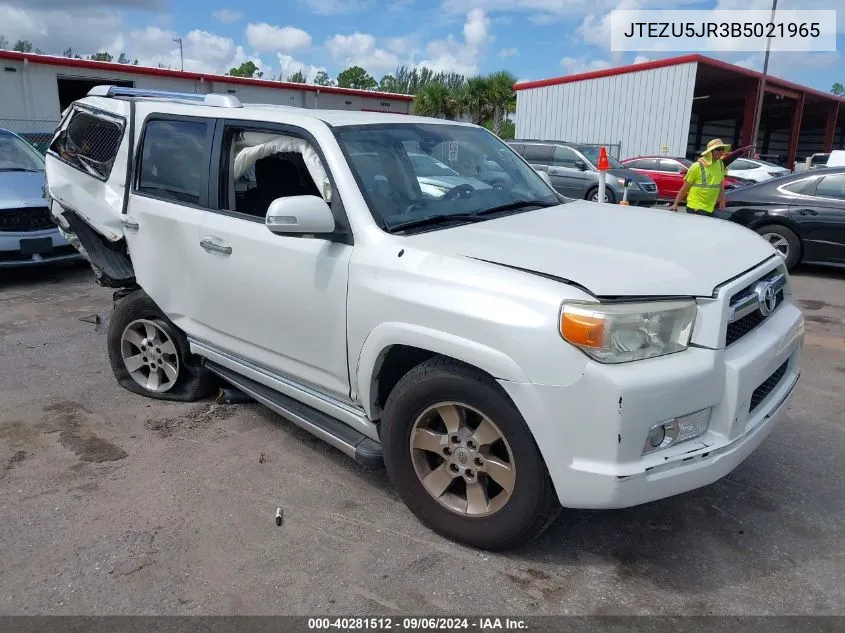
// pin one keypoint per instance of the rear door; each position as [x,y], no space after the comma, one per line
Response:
[821,214]
[86,164]
[565,174]
[168,199]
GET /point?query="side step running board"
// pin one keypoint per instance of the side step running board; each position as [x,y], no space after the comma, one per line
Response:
[333,431]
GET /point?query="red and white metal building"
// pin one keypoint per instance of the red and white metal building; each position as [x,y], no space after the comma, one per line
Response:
[674,106]
[36,88]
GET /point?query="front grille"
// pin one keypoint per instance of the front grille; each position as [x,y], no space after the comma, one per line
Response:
[26,219]
[745,308]
[648,187]
[768,386]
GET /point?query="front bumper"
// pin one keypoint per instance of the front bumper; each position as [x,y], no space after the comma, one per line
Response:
[17,249]
[592,433]
[638,197]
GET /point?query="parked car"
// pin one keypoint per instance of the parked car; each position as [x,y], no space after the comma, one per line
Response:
[573,172]
[801,215]
[500,352]
[28,234]
[756,170]
[668,174]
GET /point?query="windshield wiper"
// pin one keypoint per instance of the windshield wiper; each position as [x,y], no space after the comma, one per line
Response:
[519,204]
[435,219]
[18,169]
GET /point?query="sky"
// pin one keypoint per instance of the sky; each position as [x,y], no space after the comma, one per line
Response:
[533,39]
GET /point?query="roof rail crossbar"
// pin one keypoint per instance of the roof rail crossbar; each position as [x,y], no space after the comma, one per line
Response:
[212,99]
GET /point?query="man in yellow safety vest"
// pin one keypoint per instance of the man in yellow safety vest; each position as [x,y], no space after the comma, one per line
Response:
[704,181]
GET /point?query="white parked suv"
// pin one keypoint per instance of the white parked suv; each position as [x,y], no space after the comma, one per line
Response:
[502,351]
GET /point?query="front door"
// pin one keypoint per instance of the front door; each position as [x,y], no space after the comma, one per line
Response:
[821,214]
[566,174]
[276,301]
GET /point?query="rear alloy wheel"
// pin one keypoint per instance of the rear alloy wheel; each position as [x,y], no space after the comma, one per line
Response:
[462,458]
[609,196]
[150,355]
[784,241]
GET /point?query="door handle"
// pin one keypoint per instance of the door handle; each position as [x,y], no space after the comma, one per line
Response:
[212,244]
[807,212]
[129,223]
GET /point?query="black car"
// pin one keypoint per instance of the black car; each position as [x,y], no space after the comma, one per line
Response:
[802,215]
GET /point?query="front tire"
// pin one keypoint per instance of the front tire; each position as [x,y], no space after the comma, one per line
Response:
[609,196]
[784,241]
[462,458]
[150,356]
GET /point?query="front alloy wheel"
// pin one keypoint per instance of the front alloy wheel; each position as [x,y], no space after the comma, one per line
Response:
[462,459]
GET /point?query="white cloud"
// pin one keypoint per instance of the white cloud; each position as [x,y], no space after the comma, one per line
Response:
[583,64]
[227,15]
[290,66]
[86,31]
[450,55]
[400,45]
[266,37]
[359,49]
[508,52]
[641,59]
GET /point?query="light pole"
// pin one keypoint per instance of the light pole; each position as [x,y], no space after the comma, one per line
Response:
[763,81]
[182,59]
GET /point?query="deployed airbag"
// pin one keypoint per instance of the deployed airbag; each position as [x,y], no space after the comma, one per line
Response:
[261,145]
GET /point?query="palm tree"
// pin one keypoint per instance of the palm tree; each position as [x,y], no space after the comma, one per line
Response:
[502,97]
[475,100]
[435,100]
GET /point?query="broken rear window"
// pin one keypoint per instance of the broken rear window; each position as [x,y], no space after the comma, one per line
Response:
[90,143]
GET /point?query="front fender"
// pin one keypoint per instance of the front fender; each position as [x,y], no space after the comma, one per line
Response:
[385,335]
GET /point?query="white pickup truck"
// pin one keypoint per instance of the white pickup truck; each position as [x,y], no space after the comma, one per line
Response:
[501,350]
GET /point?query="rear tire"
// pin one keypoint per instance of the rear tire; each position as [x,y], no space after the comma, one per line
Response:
[785,241]
[609,196]
[150,356]
[448,426]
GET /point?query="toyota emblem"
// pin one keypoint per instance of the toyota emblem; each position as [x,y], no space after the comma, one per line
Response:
[766,298]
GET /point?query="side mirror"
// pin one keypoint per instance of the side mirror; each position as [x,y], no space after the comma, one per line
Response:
[299,215]
[580,164]
[545,176]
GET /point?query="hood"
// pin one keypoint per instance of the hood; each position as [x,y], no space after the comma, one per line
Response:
[21,189]
[609,249]
[630,173]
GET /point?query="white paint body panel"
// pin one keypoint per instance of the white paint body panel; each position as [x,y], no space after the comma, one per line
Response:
[644,110]
[314,319]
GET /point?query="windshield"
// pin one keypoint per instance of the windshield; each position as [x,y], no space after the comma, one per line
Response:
[410,172]
[592,155]
[18,155]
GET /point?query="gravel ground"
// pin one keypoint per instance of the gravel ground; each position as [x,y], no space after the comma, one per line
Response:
[111,503]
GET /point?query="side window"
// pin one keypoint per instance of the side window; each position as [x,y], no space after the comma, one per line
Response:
[832,187]
[89,143]
[800,186]
[649,164]
[259,167]
[173,159]
[565,157]
[538,154]
[670,166]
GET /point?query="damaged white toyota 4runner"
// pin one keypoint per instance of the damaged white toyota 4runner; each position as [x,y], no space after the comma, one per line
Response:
[411,291]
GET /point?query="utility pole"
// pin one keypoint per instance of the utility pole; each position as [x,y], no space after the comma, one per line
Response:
[763,81]
[182,58]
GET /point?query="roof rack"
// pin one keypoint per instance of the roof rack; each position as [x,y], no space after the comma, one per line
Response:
[212,99]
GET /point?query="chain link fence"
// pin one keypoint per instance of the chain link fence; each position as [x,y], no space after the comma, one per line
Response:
[38,132]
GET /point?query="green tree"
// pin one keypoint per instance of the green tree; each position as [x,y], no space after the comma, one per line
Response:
[135,63]
[297,77]
[438,101]
[502,98]
[388,83]
[475,100]
[123,59]
[4,43]
[102,56]
[323,79]
[838,89]
[356,77]
[23,46]
[68,52]
[246,69]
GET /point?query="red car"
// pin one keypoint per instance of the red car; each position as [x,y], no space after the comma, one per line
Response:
[668,172]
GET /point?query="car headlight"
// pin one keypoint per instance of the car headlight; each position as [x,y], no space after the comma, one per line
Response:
[623,332]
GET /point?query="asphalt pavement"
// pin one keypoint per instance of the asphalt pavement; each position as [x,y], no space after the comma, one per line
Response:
[111,503]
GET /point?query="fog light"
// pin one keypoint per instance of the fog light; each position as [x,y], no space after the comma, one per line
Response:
[677,430]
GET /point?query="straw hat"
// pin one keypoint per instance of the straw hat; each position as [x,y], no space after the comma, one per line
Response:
[716,143]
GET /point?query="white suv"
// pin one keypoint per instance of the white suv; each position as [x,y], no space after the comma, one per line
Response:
[501,350]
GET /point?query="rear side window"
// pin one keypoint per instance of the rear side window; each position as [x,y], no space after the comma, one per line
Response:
[173,163]
[541,154]
[670,166]
[832,187]
[89,143]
